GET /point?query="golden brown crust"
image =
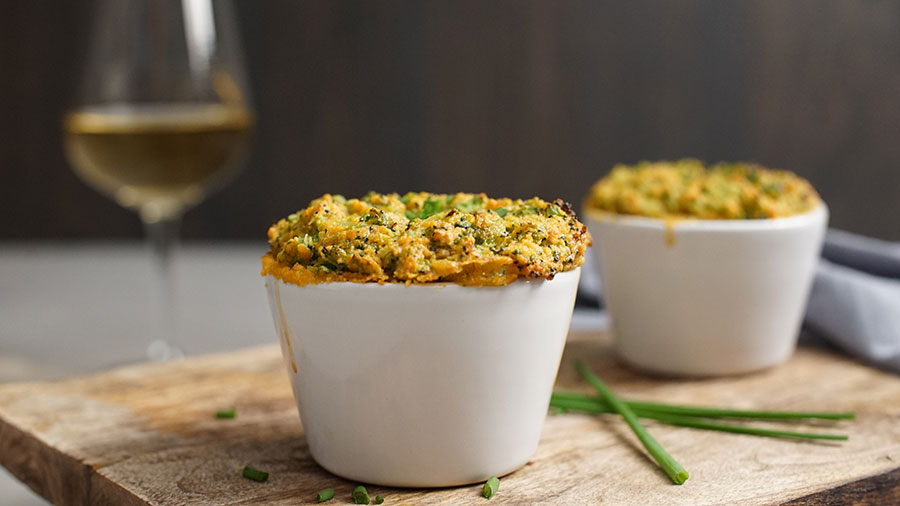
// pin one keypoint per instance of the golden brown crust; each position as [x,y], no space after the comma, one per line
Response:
[687,189]
[423,238]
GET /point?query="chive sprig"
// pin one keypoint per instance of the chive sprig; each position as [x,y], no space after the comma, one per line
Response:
[706,412]
[698,417]
[588,404]
[673,469]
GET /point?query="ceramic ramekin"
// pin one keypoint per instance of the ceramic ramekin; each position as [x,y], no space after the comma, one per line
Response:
[706,297]
[422,385]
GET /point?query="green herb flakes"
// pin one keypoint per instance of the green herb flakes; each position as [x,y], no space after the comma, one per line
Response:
[490,487]
[555,211]
[360,495]
[425,237]
[226,413]
[255,474]
[431,207]
[325,495]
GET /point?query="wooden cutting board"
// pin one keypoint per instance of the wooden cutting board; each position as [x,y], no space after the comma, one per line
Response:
[146,434]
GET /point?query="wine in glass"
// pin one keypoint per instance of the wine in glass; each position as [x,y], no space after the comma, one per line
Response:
[161,119]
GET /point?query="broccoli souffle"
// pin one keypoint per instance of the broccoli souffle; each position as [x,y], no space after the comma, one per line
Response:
[687,189]
[462,238]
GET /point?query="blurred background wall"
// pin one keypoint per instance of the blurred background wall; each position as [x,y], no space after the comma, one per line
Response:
[511,97]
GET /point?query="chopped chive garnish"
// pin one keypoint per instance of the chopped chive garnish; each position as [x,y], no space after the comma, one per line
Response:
[672,468]
[429,208]
[360,495]
[501,211]
[325,495]
[490,487]
[379,499]
[255,474]
[554,210]
[226,413]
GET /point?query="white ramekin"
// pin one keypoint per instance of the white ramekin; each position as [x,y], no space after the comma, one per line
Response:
[422,385]
[706,297]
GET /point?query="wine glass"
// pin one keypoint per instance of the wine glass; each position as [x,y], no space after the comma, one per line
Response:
[160,119]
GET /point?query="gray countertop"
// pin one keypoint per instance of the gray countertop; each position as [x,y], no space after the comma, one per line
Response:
[74,307]
[69,308]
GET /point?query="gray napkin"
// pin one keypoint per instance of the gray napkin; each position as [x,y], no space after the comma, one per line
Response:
[855,299]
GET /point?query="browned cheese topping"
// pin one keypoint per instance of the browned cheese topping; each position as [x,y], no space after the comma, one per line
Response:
[687,189]
[463,238]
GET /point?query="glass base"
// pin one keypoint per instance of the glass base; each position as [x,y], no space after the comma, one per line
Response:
[162,351]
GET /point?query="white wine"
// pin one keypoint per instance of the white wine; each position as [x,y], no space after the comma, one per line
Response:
[158,159]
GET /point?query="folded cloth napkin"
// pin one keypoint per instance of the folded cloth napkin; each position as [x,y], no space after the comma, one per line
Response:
[855,299]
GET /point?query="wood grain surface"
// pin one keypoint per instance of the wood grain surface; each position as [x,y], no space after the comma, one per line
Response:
[146,434]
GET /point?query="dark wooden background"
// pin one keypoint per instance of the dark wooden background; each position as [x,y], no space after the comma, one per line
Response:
[510,97]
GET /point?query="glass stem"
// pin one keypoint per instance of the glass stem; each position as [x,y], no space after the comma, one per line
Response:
[162,238]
